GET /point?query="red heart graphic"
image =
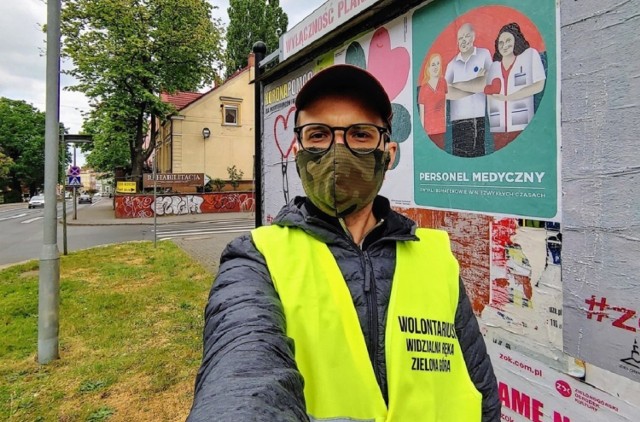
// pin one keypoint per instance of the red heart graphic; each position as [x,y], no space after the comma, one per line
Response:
[494,87]
[389,65]
[283,132]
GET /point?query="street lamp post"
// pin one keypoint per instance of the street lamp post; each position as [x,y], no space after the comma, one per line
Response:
[205,135]
[259,50]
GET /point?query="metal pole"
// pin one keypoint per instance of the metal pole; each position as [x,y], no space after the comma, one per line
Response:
[75,188]
[155,197]
[49,277]
[64,222]
[63,145]
[259,50]
[64,203]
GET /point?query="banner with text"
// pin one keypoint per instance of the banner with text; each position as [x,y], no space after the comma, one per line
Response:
[530,391]
[485,137]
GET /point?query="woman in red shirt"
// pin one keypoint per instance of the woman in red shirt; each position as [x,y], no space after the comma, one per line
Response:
[431,100]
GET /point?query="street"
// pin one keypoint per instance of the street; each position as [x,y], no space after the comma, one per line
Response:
[21,231]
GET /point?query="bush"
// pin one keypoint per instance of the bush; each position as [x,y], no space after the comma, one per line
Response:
[235,176]
[218,184]
[12,196]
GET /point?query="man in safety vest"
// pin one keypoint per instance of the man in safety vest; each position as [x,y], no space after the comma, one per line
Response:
[342,309]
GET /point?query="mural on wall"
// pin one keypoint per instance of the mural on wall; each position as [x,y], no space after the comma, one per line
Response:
[393,78]
[374,51]
[279,111]
[601,193]
[485,137]
[143,206]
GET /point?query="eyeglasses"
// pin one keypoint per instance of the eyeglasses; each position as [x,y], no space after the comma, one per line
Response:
[360,138]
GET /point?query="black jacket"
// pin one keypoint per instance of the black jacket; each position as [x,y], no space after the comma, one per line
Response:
[248,371]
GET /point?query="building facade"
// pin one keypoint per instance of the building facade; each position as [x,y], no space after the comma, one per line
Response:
[212,131]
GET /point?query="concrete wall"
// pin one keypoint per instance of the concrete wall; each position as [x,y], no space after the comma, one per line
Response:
[601,175]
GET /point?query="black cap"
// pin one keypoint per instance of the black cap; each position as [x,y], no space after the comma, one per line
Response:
[350,80]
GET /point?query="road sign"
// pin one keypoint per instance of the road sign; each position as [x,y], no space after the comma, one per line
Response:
[74,171]
[74,181]
[126,187]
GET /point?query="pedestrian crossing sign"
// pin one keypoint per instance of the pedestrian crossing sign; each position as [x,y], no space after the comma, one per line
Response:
[74,181]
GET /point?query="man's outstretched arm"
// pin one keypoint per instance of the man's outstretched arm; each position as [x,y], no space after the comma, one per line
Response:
[248,370]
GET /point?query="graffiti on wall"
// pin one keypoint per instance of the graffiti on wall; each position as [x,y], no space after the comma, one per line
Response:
[178,205]
[134,206]
[143,206]
[228,202]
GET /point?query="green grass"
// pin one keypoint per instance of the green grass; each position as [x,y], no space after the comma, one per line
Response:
[130,336]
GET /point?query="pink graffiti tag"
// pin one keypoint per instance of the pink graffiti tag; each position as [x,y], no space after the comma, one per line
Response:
[282,133]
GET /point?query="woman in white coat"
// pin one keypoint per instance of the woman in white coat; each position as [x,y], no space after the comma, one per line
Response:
[516,75]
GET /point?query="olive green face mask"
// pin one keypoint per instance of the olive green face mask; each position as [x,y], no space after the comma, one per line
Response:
[340,182]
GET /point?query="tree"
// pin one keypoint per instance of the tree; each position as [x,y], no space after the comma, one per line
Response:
[21,146]
[110,147]
[5,167]
[125,53]
[251,21]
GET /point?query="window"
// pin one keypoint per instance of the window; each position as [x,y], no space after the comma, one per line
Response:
[230,115]
[230,108]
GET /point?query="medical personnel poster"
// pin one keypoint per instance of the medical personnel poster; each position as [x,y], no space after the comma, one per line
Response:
[485,121]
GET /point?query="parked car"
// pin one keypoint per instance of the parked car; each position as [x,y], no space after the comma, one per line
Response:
[36,201]
[84,199]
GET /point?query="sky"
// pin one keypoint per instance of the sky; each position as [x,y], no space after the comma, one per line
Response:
[23,55]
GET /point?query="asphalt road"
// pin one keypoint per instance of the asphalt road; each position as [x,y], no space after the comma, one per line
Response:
[21,233]
[202,236]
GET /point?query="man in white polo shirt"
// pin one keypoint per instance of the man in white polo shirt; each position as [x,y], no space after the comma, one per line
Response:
[466,79]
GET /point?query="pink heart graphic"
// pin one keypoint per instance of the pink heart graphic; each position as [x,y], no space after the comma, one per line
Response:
[495,87]
[281,132]
[389,65]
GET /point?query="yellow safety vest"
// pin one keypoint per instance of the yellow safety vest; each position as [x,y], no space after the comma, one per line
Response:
[427,377]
